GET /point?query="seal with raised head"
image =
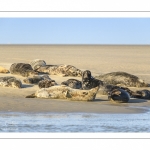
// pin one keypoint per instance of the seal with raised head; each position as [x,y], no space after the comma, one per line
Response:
[22,69]
[37,63]
[36,79]
[122,79]
[65,92]
[88,81]
[73,83]
[62,70]
[3,70]
[10,82]
[46,83]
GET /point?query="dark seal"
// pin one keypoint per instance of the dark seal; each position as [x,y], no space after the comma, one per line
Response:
[119,96]
[46,83]
[22,69]
[73,83]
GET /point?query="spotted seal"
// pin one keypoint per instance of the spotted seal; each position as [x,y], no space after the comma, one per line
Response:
[122,79]
[3,70]
[62,70]
[46,83]
[37,63]
[10,81]
[73,83]
[65,92]
[22,69]
[36,79]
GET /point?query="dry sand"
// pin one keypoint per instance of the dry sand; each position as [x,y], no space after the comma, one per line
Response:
[98,59]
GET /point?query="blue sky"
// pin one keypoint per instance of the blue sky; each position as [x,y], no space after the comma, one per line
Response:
[74,30]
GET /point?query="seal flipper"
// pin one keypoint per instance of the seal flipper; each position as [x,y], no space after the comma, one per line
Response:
[31,96]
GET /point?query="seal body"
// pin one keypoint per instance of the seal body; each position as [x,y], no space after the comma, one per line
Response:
[65,92]
[46,83]
[62,70]
[122,79]
[119,95]
[73,83]
[143,94]
[22,69]
[10,82]
[3,70]
[88,81]
[37,63]
[36,79]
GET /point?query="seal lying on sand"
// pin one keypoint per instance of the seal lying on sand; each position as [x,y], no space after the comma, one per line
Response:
[62,70]
[10,82]
[36,79]
[22,69]
[73,83]
[122,79]
[46,83]
[142,94]
[37,63]
[65,92]
[3,70]
[119,95]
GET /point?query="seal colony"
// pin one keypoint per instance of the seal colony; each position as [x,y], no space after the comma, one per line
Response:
[114,85]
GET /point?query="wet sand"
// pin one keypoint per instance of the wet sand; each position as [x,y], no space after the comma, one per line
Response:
[98,59]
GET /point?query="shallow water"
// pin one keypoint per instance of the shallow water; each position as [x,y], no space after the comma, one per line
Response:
[74,122]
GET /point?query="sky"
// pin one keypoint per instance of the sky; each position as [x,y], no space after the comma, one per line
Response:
[75,31]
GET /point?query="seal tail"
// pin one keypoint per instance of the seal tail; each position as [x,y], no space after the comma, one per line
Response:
[31,96]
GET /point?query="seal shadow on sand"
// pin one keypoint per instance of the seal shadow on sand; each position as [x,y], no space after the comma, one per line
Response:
[27,85]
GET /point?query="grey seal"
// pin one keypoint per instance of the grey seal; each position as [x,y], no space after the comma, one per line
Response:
[10,81]
[73,83]
[65,92]
[122,79]
[22,69]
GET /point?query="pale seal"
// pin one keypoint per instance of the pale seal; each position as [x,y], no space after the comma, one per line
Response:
[22,69]
[37,63]
[65,92]
[122,79]
[36,79]
[73,83]
[10,82]
[46,83]
[3,70]
[62,70]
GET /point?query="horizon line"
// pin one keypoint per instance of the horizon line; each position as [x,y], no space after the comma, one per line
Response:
[82,44]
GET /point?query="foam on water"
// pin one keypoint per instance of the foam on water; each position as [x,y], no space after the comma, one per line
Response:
[74,122]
